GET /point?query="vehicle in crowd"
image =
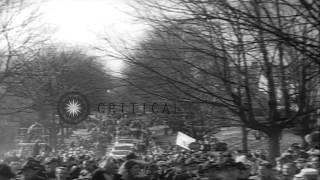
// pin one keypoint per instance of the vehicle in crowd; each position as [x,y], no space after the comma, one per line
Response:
[122,137]
[123,147]
[118,154]
[126,141]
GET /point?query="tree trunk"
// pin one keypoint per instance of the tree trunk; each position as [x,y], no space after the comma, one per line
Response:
[53,138]
[62,135]
[67,132]
[166,131]
[70,131]
[244,139]
[274,144]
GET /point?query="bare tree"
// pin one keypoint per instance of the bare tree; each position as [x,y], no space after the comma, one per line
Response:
[209,55]
[41,82]
[294,23]
[21,35]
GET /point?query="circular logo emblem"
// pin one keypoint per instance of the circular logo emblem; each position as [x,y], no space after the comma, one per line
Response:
[73,108]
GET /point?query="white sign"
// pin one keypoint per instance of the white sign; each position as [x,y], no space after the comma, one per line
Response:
[184,140]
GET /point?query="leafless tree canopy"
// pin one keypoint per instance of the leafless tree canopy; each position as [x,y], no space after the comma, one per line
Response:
[256,60]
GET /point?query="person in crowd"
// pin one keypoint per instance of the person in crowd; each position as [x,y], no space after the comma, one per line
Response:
[189,171]
[240,156]
[132,171]
[288,171]
[225,171]
[88,167]
[70,161]
[248,159]
[9,157]
[222,157]
[108,170]
[264,172]
[154,172]
[244,171]
[313,140]
[36,148]
[279,164]
[15,166]
[75,172]
[259,155]
[210,171]
[72,144]
[300,163]
[6,172]
[229,171]
[47,149]
[61,173]
[166,163]
[50,166]
[159,169]
[131,156]
[315,162]
[32,170]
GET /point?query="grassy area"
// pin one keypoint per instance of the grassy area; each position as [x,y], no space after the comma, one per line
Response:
[233,136]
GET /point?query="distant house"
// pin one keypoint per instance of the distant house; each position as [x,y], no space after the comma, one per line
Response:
[13,115]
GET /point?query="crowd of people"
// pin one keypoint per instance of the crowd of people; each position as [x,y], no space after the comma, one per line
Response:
[173,163]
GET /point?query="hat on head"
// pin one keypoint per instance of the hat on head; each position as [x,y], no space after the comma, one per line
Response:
[51,160]
[210,168]
[6,171]
[242,166]
[300,160]
[31,164]
[266,164]
[229,164]
[84,174]
[303,154]
[131,156]
[62,168]
[129,164]
[295,145]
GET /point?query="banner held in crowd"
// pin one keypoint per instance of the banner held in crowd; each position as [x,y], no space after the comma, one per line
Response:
[184,140]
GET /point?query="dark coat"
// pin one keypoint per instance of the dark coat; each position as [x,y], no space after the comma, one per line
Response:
[98,175]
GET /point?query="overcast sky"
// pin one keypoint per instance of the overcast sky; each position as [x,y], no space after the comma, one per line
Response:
[82,22]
